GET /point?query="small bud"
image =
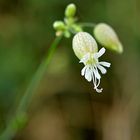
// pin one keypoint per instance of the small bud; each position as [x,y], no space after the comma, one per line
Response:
[67,34]
[107,37]
[70,10]
[59,25]
[84,43]
[58,33]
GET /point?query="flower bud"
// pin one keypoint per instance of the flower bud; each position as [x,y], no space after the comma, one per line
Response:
[59,25]
[107,37]
[84,43]
[70,10]
[58,33]
[67,34]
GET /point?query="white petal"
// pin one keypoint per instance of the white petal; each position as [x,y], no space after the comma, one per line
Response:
[83,71]
[102,69]
[85,58]
[97,75]
[88,74]
[106,64]
[100,53]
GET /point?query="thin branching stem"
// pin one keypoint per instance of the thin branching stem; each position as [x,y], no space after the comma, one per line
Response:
[87,24]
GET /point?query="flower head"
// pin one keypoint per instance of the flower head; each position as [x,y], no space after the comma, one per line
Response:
[86,49]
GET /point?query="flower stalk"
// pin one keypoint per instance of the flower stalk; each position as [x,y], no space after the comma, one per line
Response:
[20,117]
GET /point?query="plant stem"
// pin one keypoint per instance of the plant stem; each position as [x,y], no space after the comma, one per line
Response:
[20,115]
[37,77]
[87,24]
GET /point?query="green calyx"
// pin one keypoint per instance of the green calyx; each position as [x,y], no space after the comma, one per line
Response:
[107,37]
[70,10]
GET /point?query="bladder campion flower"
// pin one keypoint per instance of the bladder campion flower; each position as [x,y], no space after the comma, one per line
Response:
[107,37]
[86,49]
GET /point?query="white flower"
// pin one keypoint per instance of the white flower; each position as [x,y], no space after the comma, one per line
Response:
[86,49]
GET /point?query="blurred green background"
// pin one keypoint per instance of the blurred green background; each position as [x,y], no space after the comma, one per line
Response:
[65,106]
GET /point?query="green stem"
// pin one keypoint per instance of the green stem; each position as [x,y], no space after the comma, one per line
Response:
[20,114]
[87,24]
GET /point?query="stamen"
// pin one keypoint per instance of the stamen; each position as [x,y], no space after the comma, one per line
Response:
[96,80]
[98,90]
[91,70]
